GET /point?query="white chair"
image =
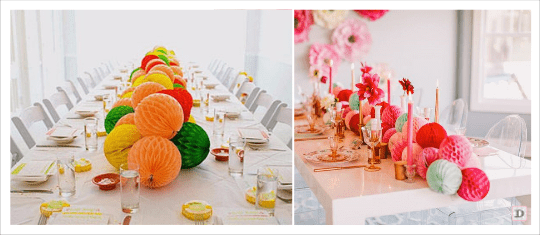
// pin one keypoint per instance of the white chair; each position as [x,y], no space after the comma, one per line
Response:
[454,117]
[237,81]
[221,69]
[265,100]
[223,76]
[230,79]
[97,75]
[246,88]
[55,101]
[217,67]
[71,90]
[284,115]
[510,135]
[16,153]
[27,118]
[251,97]
[212,64]
[83,85]
[270,121]
[91,83]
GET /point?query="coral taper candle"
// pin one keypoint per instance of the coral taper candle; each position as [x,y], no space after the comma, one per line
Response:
[410,132]
[437,103]
[352,76]
[388,83]
[330,63]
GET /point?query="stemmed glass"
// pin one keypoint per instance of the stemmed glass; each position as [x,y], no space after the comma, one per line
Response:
[372,137]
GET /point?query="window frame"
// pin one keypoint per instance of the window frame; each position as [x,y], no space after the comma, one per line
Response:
[477,101]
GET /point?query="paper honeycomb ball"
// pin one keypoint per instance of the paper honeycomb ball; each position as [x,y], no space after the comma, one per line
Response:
[354,101]
[127,95]
[118,144]
[161,79]
[398,148]
[144,79]
[114,115]
[456,149]
[418,122]
[135,81]
[128,90]
[177,71]
[388,134]
[336,90]
[184,99]
[421,160]
[431,135]
[180,81]
[123,101]
[444,177]
[193,144]
[132,72]
[349,116]
[474,162]
[401,121]
[137,74]
[143,91]
[158,159]
[344,95]
[174,62]
[391,114]
[165,59]
[147,59]
[416,151]
[366,109]
[383,105]
[474,186]
[353,124]
[192,119]
[393,140]
[385,127]
[367,119]
[159,114]
[153,63]
[345,112]
[344,104]
[126,119]
[431,154]
[164,68]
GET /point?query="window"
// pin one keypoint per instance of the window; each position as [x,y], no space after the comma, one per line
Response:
[501,61]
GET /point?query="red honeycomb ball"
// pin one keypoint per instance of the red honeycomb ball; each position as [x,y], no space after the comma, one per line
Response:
[366,109]
[398,149]
[393,140]
[345,111]
[390,114]
[344,104]
[418,122]
[431,135]
[456,149]
[424,159]
[383,105]
[385,127]
[388,134]
[415,152]
[348,118]
[366,119]
[353,123]
[344,95]
[474,185]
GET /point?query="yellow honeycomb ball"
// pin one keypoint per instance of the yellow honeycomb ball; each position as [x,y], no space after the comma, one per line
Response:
[119,142]
[161,79]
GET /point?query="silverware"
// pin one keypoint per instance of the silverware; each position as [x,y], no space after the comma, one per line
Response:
[32,191]
[337,168]
[59,146]
[311,138]
[42,220]
[127,220]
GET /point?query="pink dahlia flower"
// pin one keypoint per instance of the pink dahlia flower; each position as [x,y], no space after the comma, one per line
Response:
[352,39]
[303,19]
[371,14]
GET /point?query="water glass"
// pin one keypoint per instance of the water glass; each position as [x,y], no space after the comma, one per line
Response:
[219,121]
[333,140]
[236,155]
[107,103]
[311,121]
[66,175]
[372,137]
[208,113]
[90,133]
[265,196]
[129,188]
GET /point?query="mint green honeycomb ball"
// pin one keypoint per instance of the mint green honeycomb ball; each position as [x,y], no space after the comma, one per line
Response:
[444,177]
[354,101]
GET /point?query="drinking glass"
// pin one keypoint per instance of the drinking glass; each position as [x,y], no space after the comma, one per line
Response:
[66,175]
[209,114]
[236,155]
[410,171]
[311,121]
[107,102]
[129,188]
[333,146]
[372,137]
[90,133]
[427,113]
[219,121]
[265,196]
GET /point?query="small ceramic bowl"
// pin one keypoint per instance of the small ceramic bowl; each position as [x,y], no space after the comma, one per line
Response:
[221,154]
[107,181]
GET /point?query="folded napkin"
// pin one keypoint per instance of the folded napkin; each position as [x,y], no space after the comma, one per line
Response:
[485,151]
[253,133]
[61,132]
[79,215]
[33,170]
[248,217]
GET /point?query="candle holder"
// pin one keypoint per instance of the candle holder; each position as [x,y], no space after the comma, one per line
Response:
[410,172]
[399,167]
[383,150]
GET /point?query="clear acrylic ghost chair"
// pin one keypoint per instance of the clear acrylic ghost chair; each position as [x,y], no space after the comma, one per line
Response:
[27,118]
[510,135]
[16,153]
[83,85]
[55,101]
[71,90]
[454,117]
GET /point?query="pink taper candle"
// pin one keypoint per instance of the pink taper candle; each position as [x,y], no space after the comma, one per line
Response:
[410,132]
[330,63]
[388,82]
[352,77]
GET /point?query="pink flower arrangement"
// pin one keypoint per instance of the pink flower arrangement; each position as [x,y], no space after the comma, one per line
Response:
[371,14]
[407,86]
[369,89]
[319,54]
[303,19]
[352,39]
[365,68]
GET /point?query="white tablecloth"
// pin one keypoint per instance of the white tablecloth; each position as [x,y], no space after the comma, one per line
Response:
[209,181]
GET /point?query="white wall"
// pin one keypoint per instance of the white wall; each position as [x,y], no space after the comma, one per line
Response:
[194,35]
[418,45]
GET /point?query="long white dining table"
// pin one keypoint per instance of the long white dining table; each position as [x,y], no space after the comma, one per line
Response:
[210,181]
[349,196]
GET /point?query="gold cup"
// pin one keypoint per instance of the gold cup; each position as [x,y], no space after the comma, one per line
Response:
[400,170]
[383,150]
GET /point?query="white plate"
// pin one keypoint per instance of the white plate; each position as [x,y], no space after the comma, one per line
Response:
[117,77]
[321,156]
[210,85]
[198,71]
[109,87]
[303,131]
[62,140]
[99,97]
[86,113]
[477,142]
[220,97]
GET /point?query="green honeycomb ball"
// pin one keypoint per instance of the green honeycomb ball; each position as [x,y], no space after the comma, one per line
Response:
[193,143]
[444,177]
[114,115]
[354,101]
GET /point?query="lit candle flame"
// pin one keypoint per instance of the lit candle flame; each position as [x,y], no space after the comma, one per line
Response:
[352,66]
[437,83]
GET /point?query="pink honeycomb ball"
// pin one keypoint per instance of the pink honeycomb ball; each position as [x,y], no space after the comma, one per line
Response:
[336,90]
[418,122]
[424,159]
[416,150]
[398,150]
[456,149]
[367,119]
[391,114]
[366,109]
[474,186]
[393,140]
[431,135]
[349,116]
[388,134]
[344,104]
[474,162]
[345,112]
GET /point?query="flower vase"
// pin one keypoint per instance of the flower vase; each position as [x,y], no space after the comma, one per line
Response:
[403,102]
